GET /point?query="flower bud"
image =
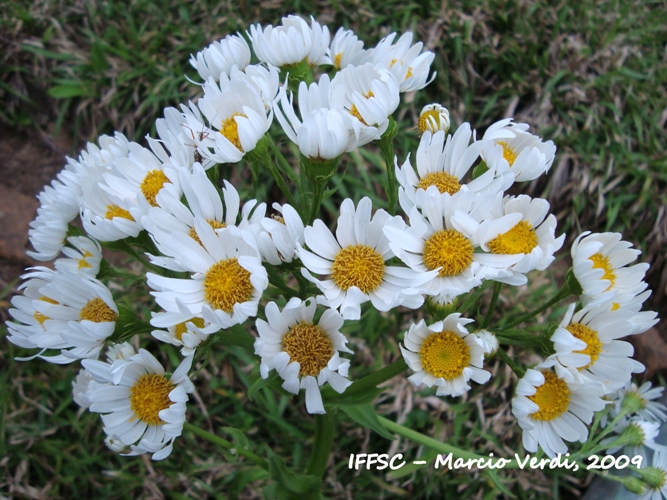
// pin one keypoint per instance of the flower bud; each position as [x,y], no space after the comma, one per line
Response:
[433,118]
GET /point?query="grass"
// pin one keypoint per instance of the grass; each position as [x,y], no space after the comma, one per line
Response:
[584,74]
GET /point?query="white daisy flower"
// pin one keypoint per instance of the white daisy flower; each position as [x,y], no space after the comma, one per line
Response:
[600,264]
[508,146]
[203,201]
[551,410]
[291,43]
[633,437]
[264,79]
[443,239]
[84,255]
[523,229]
[106,217]
[655,477]
[433,118]
[355,262]
[444,355]
[82,387]
[637,402]
[61,310]
[278,242]
[489,342]
[59,205]
[144,409]
[221,56]
[234,120]
[139,178]
[322,133]
[347,50]
[370,94]
[406,61]
[183,330]
[442,163]
[588,341]
[305,355]
[228,279]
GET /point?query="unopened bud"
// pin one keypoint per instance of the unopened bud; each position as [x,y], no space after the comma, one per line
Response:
[433,118]
[633,484]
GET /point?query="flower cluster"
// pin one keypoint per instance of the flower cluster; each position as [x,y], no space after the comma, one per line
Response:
[214,259]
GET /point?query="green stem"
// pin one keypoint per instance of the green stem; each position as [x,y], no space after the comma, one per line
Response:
[518,371]
[472,298]
[386,144]
[436,445]
[563,293]
[277,281]
[325,426]
[227,445]
[492,306]
[262,158]
[286,167]
[318,195]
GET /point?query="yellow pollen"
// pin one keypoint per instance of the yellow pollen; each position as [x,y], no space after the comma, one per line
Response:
[116,211]
[602,262]
[444,355]
[152,184]
[592,340]
[448,250]
[355,112]
[393,61]
[552,398]
[211,222]
[278,218]
[230,129]
[520,239]
[360,266]
[181,328]
[227,283]
[409,73]
[82,261]
[97,311]
[446,183]
[39,317]
[149,396]
[310,346]
[615,306]
[337,59]
[427,119]
[508,152]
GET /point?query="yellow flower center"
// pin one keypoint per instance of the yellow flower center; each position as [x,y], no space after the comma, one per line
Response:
[509,153]
[448,250]
[149,396]
[83,263]
[592,340]
[337,59]
[552,398]
[355,112]
[446,183]
[98,311]
[310,346]
[230,129]
[429,120]
[360,266]
[152,184]
[181,328]
[227,283]
[445,355]
[39,317]
[211,222]
[116,211]
[520,239]
[602,262]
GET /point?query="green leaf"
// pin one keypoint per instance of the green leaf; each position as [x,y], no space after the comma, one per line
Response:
[238,436]
[291,485]
[67,91]
[365,415]
[260,383]
[493,475]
